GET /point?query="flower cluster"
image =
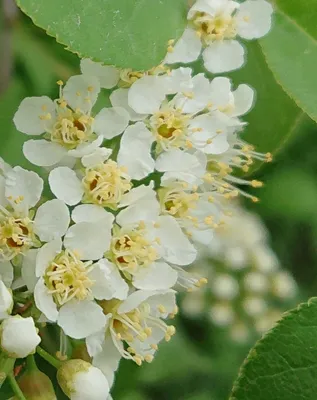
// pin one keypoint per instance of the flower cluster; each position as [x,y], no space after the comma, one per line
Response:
[247,290]
[131,191]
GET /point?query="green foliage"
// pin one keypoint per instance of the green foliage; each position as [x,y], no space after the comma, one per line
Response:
[125,33]
[291,51]
[283,365]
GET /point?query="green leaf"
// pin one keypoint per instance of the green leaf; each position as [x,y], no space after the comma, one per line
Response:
[128,34]
[283,365]
[291,51]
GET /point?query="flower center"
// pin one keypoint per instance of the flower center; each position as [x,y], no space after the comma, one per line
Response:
[132,250]
[105,184]
[16,235]
[67,278]
[137,325]
[178,202]
[71,128]
[170,128]
[210,29]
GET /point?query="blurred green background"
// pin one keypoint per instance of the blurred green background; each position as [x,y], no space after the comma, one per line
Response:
[201,361]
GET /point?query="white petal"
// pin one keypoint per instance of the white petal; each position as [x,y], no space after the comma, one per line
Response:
[135,151]
[119,98]
[4,167]
[52,220]
[6,273]
[27,118]
[108,76]
[186,50]
[89,213]
[6,301]
[165,298]
[243,100]
[85,149]
[80,319]
[90,239]
[142,192]
[3,200]
[23,188]
[28,269]
[254,19]
[44,301]
[134,300]
[94,342]
[46,255]
[19,336]
[203,237]
[182,166]
[108,282]
[147,94]
[211,7]
[81,92]
[65,185]
[43,153]
[97,157]
[111,122]
[177,247]
[224,56]
[157,276]
[200,96]
[179,80]
[143,210]
[108,359]
[220,92]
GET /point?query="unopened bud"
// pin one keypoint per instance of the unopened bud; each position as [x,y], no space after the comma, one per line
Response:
[79,380]
[36,386]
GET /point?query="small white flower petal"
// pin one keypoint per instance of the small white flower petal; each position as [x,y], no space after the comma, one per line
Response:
[65,185]
[143,210]
[23,188]
[243,100]
[89,213]
[254,19]
[142,192]
[3,200]
[81,92]
[44,301]
[167,299]
[135,151]
[179,80]
[19,336]
[220,92]
[186,50]
[111,122]
[108,282]
[134,300]
[176,246]
[85,149]
[119,98]
[94,342]
[46,255]
[97,157]
[52,220]
[90,239]
[157,276]
[6,273]
[108,76]
[80,319]
[108,359]
[28,117]
[6,301]
[43,153]
[28,269]
[224,56]
[147,94]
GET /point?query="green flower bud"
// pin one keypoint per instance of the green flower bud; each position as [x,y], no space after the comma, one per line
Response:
[36,386]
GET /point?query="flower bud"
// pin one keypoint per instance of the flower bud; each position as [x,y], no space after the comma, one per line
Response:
[6,301]
[18,336]
[79,380]
[36,386]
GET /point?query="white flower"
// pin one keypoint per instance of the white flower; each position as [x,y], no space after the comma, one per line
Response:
[19,336]
[80,380]
[214,25]
[67,286]
[101,182]
[200,118]
[20,229]
[69,128]
[107,75]
[6,300]
[138,322]
[145,246]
